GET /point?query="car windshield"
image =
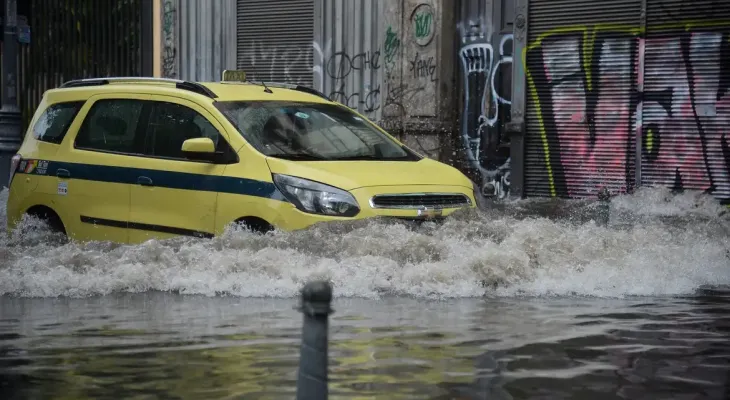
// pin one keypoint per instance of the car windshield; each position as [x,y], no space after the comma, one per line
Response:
[310,131]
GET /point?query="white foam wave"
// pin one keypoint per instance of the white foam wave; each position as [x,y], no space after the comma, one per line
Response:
[660,201]
[498,253]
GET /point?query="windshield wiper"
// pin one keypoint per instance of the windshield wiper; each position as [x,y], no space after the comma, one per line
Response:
[298,157]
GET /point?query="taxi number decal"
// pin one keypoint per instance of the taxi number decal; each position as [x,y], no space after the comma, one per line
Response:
[62,188]
[33,166]
[42,167]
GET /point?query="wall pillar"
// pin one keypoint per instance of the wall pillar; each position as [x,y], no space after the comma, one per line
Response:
[516,127]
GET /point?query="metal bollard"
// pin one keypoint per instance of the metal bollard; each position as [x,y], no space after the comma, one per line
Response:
[604,206]
[315,305]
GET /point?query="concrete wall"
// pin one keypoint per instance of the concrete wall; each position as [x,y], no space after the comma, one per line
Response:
[419,102]
[349,61]
[392,60]
[198,38]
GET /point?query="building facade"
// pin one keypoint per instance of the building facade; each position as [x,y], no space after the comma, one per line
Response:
[60,41]
[528,97]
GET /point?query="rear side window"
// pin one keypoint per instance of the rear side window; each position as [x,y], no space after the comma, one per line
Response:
[170,125]
[111,126]
[54,122]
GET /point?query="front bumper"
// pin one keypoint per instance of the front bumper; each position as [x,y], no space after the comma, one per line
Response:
[291,218]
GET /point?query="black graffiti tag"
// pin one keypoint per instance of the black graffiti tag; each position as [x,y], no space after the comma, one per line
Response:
[370,101]
[423,67]
[341,64]
[398,98]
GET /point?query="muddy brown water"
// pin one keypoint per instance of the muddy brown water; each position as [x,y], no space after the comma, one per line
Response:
[528,300]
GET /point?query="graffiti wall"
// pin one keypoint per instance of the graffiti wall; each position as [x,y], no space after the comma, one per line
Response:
[387,69]
[596,91]
[485,55]
[615,96]
[382,58]
[378,57]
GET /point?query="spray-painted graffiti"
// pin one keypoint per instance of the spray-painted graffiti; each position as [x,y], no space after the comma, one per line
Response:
[423,67]
[423,25]
[359,80]
[391,47]
[339,68]
[419,66]
[400,97]
[169,49]
[486,108]
[341,64]
[286,64]
[349,78]
[398,94]
[594,91]
[422,20]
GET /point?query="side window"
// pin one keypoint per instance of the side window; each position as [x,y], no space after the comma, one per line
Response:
[54,122]
[172,124]
[111,125]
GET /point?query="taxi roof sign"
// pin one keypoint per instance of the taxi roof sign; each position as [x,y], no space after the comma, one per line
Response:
[233,75]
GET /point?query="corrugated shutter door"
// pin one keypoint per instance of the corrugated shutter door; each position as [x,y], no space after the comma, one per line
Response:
[686,109]
[581,76]
[275,40]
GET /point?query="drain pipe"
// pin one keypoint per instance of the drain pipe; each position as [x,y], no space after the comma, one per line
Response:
[316,298]
[604,206]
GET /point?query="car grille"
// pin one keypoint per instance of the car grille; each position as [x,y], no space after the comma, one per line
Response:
[418,200]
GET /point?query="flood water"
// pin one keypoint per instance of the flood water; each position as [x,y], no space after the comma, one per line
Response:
[530,300]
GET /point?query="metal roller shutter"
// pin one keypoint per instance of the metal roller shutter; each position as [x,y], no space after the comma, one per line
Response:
[275,40]
[581,92]
[686,109]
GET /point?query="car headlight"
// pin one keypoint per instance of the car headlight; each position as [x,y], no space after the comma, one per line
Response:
[316,198]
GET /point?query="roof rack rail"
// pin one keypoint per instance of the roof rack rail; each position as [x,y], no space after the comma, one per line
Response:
[299,88]
[307,89]
[180,84]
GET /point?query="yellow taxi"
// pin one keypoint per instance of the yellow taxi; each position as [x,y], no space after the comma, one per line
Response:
[132,159]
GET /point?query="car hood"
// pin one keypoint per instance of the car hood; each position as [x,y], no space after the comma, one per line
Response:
[350,175]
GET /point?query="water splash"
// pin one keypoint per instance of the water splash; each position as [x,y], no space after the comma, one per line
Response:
[657,244]
[3,209]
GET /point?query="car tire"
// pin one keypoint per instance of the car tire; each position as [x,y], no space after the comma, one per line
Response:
[47,215]
[255,225]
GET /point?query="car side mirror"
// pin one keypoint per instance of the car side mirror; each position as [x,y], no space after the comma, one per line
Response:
[199,149]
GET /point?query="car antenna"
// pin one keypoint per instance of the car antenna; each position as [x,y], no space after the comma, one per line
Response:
[266,88]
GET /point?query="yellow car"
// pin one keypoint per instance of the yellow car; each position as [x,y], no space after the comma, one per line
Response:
[131,159]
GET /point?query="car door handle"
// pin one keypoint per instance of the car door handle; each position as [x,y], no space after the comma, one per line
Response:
[63,173]
[144,181]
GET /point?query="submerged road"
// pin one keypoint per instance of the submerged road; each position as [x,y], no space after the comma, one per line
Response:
[531,300]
